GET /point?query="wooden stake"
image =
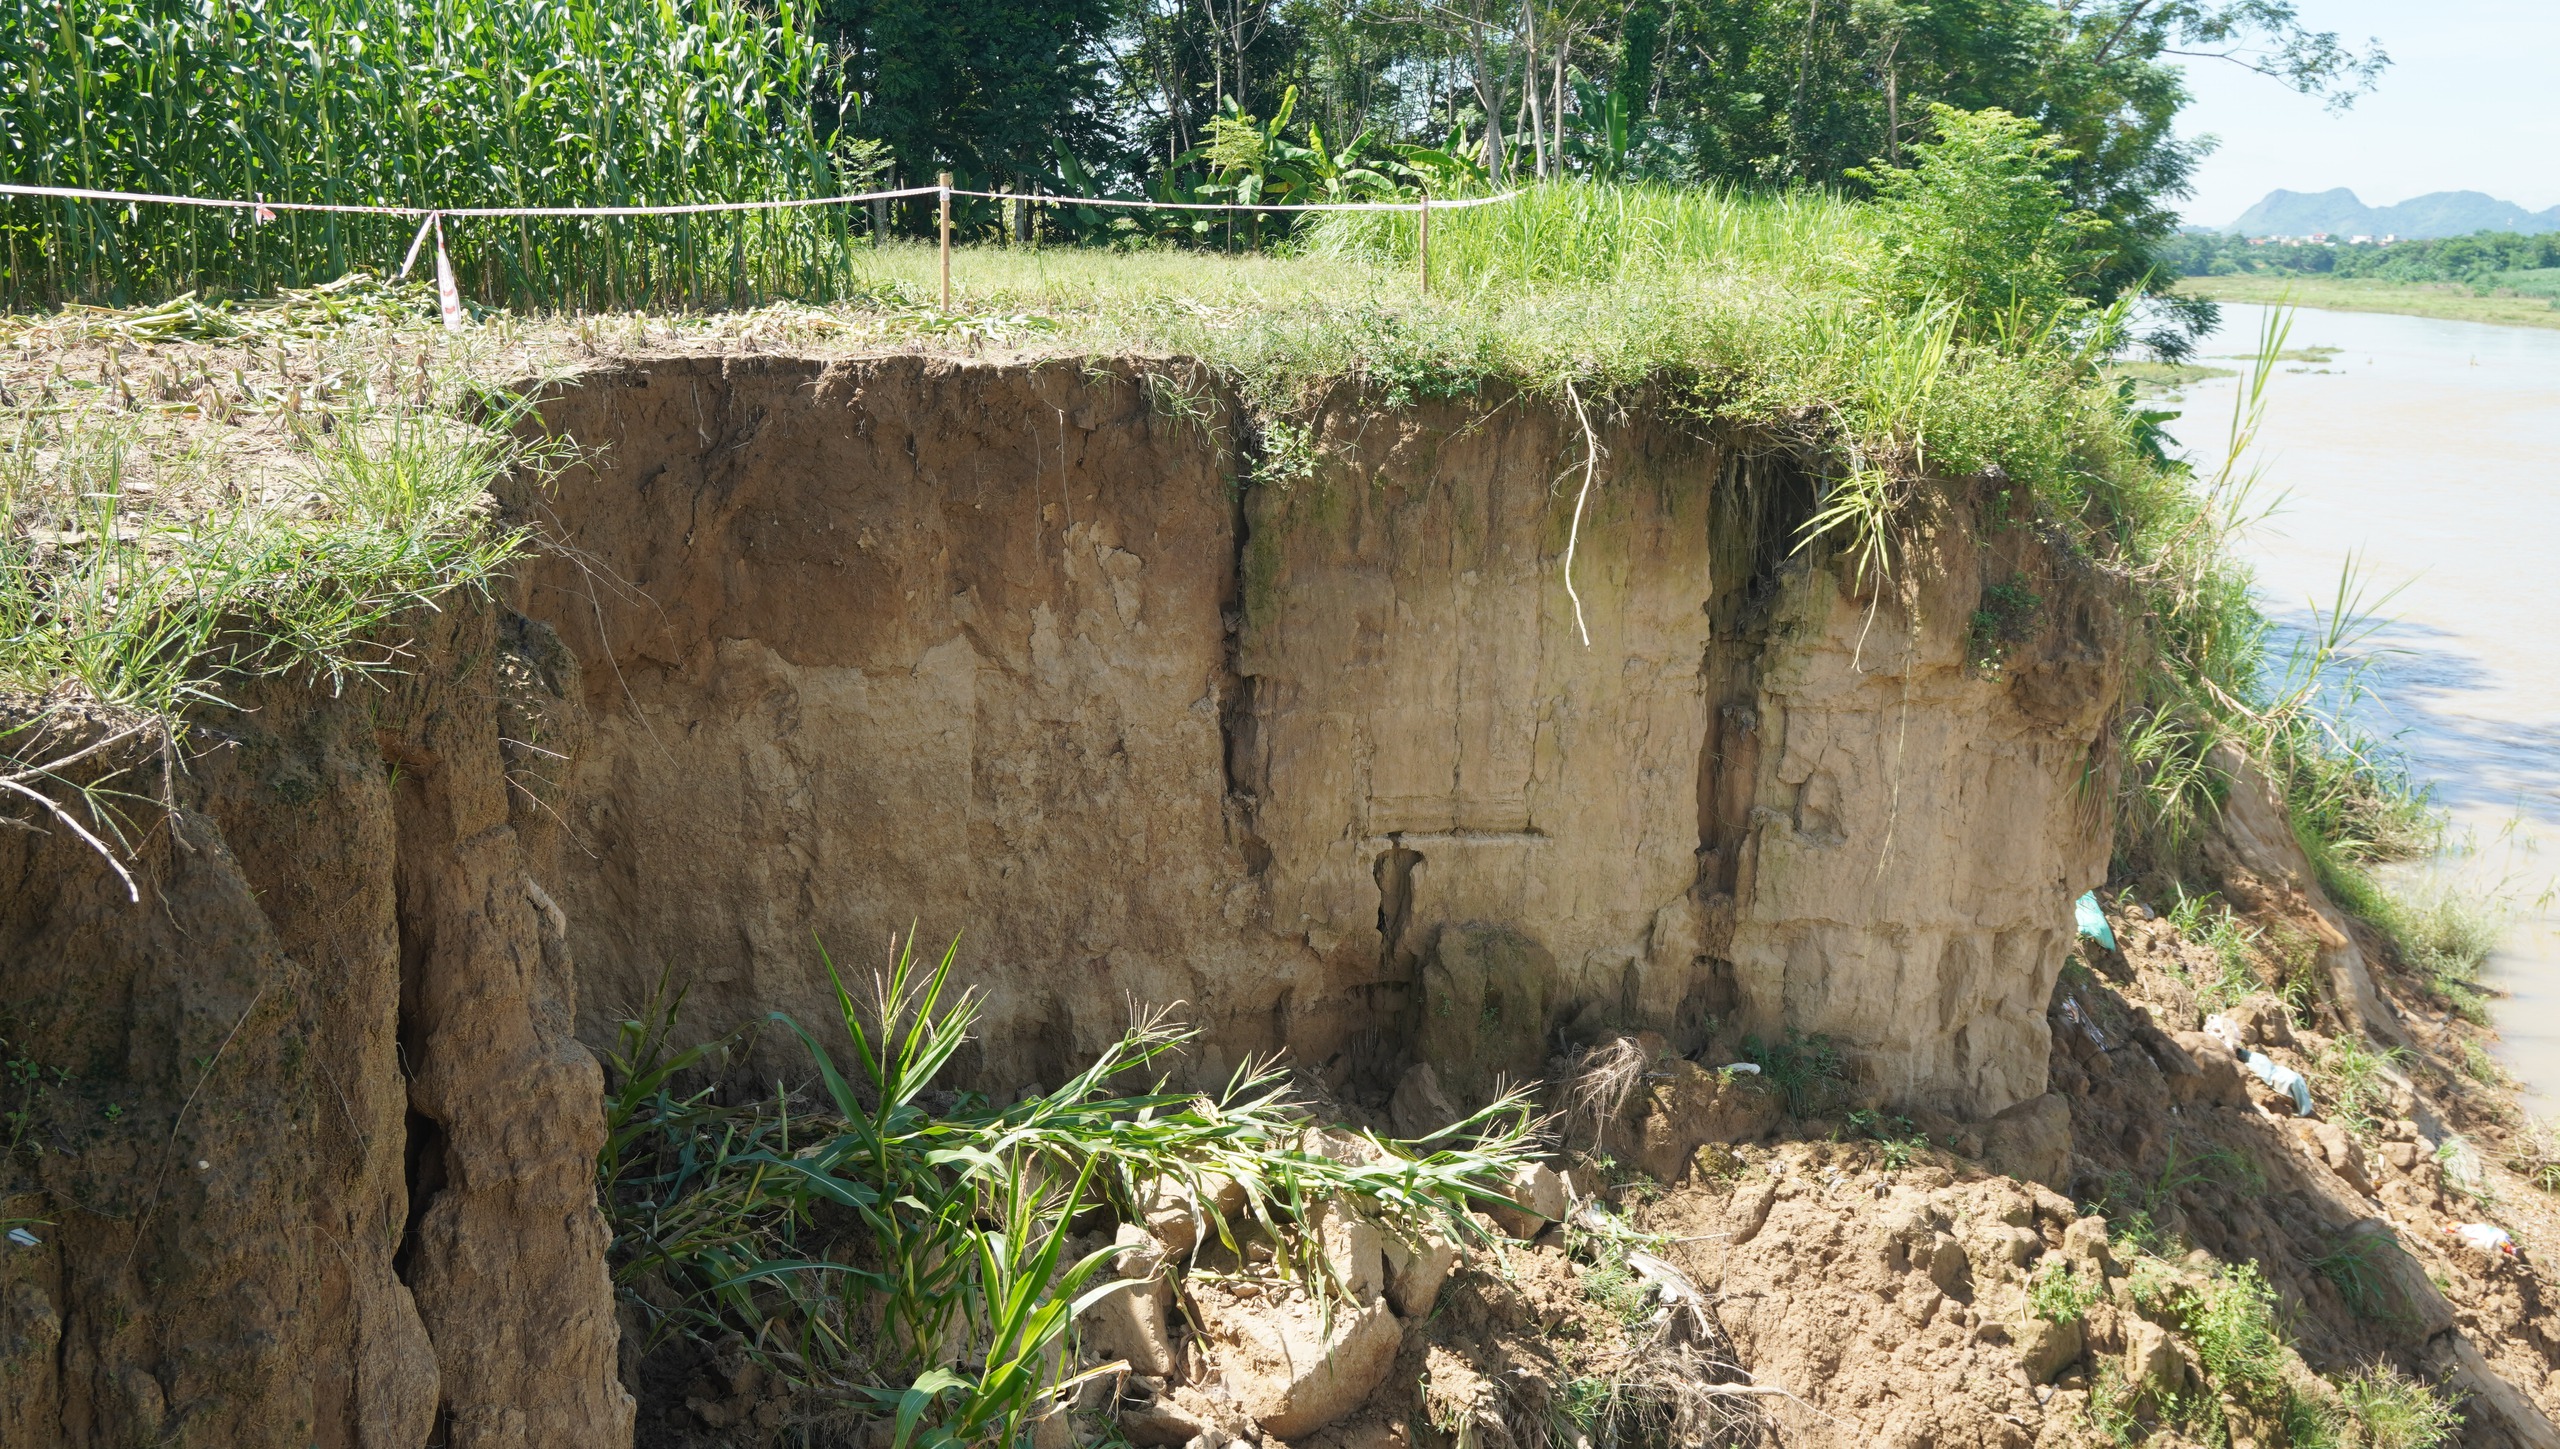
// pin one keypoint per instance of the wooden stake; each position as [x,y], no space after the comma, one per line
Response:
[1423,248]
[945,183]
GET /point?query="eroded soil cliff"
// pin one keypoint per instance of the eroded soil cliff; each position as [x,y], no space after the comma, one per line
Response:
[1063,657]
[1027,651]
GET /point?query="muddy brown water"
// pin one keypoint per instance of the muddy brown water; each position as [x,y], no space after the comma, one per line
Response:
[2429,453]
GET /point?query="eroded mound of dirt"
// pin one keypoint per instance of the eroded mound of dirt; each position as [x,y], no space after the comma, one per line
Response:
[1893,1285]
[2159,1251]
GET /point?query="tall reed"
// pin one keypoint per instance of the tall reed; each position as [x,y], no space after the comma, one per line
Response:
[421,102]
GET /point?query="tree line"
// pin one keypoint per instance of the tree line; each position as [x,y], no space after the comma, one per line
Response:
[1248,102]
[2479,259]
[1169,97]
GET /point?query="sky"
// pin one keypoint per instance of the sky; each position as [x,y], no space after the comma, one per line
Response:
[2467,105]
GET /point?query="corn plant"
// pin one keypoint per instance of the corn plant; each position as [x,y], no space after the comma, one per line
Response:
[420,103]
[906,1252]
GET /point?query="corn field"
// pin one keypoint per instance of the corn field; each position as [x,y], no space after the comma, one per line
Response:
[422,102]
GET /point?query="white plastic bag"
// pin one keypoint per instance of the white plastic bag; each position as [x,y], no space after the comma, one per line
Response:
[2487,1237]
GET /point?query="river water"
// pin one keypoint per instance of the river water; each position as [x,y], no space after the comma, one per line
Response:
[2430,452]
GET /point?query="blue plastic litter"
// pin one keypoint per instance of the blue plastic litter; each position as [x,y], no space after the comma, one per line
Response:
[2283,1078]
[2093,922]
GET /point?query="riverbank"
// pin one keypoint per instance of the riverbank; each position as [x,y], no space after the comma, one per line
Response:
[2448,301]
[2370,449]
[743,549]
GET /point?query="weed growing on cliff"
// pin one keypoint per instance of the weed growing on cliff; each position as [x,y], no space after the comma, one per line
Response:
[2007,609]
[671,1161]
[2533,1151]
[2374,1408]
[2342,786]
[2111,1407]
[2208,922]
[1611,1284]
[25,1083]
[1897,1140]
[2360,1266]
[2357,1081]
[2230,1321]
[903,1253]
[2443,933]
[152,613]
[2058,1294]
[2481,1067]
[2216,679]
[144,574]
[2143,1208]
[1807,1070]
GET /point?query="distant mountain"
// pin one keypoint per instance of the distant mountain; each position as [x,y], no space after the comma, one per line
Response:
[2339,213]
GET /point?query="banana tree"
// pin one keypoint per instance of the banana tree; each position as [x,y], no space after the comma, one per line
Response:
[1347,175]
[1250,162]
[1442,170]
[1608,140]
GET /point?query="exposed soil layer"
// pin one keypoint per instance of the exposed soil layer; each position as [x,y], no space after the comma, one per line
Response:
[1015,649]
[1307,739]
[307,1143]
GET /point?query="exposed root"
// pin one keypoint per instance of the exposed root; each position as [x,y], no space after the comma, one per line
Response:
[1573,536]
[1605,1076]
[17,783]
[1684,1388]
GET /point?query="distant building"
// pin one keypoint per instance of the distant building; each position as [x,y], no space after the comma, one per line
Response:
[2359,241]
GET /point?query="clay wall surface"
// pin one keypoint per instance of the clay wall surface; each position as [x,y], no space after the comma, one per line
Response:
[1010,651]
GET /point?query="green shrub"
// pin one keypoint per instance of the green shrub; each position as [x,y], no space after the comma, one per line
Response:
[1979,221]
[2058,1294]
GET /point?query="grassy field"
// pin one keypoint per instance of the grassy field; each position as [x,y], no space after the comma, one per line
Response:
[2451,301]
